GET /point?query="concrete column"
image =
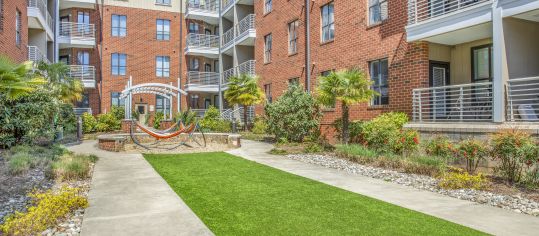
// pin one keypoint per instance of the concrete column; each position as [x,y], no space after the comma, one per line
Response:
[499,70]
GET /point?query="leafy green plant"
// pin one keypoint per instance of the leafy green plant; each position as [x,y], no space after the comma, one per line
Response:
[19,163]
[514,149]
[384,132]
[293,116]
[73,167]
[357,150]
[118,112]
[243,90]
[407,143]
[277,151]
[107,122]
[212,121]
[88,123]
[16,80]
[187,117]
[313,148]
[356,129]
[441,146]
[157,118]
[259,126]
[349,87]
[463,180]
[472,151]
[424,165]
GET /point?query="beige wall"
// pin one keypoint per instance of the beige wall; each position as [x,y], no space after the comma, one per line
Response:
[522,47]
[147,4]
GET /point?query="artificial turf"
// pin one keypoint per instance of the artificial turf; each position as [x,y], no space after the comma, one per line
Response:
[234,196]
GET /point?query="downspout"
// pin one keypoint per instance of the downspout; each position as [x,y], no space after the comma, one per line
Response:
[181,56]
[307,46]
[220,63]
[101,56]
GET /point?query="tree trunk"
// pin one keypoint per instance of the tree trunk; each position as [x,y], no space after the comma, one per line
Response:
[345,124]
[245,118]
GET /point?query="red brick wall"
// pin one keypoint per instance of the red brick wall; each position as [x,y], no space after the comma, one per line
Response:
[355,44]
[8,46]
[141,47]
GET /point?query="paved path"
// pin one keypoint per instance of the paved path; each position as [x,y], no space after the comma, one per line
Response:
[488,219]
[128,197]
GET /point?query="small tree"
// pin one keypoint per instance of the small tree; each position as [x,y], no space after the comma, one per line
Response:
[244,91]
[17,80]
[294,115]
[349,87]
[67,89]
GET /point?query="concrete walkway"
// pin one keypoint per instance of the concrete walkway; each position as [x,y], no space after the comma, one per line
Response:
[488,219]
[128,197]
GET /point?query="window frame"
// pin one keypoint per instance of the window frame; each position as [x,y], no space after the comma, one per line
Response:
[267,92]
[160,67]
[18,28]
[1,15]
[163,2]
[377,4]
[268,45]
[119,66]
[162,35]
[164,100]
[293,37]
[268,6]
[116,31]
[120,103]
[197,28]
[490,64]
[329,25]
[378,82]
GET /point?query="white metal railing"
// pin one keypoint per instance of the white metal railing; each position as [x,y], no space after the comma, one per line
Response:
[198,5]
[202,78]
[244,25]
[77,30]
[466,102]
[42,6]
[228,38]
[422,10]
[81,110]
[239,30]
[82,72]
[226,3]
[202,40]
[247,67]
[35,55]
[523,99]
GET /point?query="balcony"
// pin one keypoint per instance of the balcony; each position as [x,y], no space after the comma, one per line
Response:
[202,81]
[243,33]
[85,73]
[204,11]
[76,35]
[202,45]
[40,18]
[432,20]
[454,103]
[247,67]
[81,110]
[86,4]
[35,55]
[523,99]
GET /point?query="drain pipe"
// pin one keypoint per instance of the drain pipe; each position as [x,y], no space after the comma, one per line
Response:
[307,46]
[181,56]
[101,56]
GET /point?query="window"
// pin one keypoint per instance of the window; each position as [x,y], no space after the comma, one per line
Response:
[482,63]
[163,29]
[328,23]
[268,6]
[115,99]
[83,58]
[193,64]
[18,28]
[84,102]
[267,48]
[160,103]
[267,92]
[162,68]
[379,70]
[377,11]
[162,2]
[293,37]
[119,26]
[293,81]
[119,63]
[1,15]
[193,27]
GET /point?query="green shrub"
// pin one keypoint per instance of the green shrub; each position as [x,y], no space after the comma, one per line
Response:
[357,150]
[294,115]
[462,179]
[107,122]
[45,210]
[472,151]
[259,126]
[187,117]
[88,123]
[425,165]
[356,130]
[384,132]
[73,167]
[440,146]
[407,142]
[212,121]
[514,149]
[19,163]
[118,112]
[157,118]
[313,148]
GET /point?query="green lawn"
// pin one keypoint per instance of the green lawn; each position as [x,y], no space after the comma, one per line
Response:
[234,196]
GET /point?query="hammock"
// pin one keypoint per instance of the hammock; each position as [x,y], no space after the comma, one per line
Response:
[166,134]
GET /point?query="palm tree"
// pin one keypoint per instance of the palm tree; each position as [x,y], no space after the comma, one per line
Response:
[243,90]
[67,88]
[350,86]
[17,80]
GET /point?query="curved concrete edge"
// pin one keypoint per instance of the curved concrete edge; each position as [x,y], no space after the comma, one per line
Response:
[485,218]
[128,197]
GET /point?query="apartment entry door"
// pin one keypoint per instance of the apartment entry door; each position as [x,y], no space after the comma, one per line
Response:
[439,77]
[142,110]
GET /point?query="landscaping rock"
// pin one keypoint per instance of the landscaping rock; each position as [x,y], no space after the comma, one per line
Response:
[515,203]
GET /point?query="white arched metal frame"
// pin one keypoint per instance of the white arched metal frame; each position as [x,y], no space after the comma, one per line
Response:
[166,90]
